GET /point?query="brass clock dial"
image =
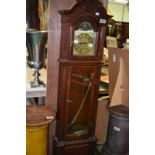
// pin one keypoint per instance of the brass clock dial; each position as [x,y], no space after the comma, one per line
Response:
[83,43]
[84,40]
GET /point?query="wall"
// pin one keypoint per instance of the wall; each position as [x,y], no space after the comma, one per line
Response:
[117,10]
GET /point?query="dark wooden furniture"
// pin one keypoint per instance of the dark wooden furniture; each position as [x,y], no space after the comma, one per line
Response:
[83,30]
[120,30]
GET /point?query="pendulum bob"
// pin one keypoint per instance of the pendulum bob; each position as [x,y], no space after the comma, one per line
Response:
[35,42]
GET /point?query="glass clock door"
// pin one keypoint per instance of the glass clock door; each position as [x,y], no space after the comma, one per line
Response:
[80,87]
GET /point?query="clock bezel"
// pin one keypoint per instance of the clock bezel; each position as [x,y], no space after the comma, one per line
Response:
[75,27]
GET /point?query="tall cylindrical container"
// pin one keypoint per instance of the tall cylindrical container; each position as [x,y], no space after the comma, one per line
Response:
[117,141]
[38,118]
[37,139]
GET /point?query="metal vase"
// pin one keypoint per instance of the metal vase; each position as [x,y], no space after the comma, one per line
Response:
[35,42]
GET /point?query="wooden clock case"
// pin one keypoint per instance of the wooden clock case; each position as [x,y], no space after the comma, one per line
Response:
[79,74]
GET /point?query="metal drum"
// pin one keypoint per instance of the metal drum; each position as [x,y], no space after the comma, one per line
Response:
[117,141]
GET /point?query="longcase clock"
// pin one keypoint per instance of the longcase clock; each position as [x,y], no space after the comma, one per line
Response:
[82,38]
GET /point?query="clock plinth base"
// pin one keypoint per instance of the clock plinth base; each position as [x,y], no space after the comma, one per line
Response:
[79,147]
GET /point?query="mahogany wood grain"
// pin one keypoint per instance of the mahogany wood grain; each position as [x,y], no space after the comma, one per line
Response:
[54,29]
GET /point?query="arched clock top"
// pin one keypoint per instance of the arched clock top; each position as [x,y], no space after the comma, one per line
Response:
[85,37]
[85,19]
[83,27]
[91,8]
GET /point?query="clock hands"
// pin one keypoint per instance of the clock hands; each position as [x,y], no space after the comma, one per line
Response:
[83,43]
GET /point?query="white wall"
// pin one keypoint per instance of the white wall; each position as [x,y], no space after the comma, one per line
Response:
[117,10]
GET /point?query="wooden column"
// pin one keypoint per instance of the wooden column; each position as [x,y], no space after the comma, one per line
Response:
[54,31]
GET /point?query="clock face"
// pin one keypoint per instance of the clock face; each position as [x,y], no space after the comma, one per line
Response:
[84,40]
[83,43]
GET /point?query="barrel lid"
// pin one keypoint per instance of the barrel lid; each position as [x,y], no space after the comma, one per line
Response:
[120,110]
[39,115]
